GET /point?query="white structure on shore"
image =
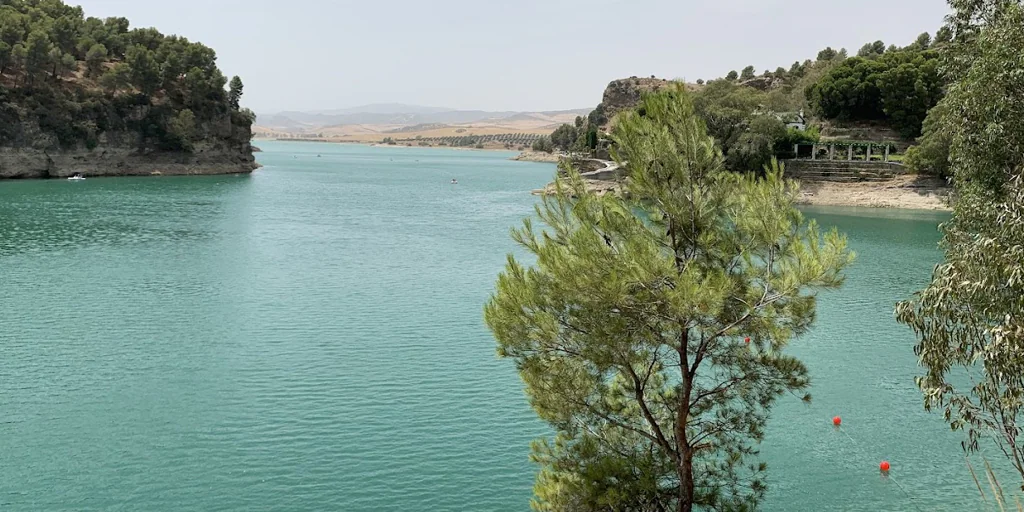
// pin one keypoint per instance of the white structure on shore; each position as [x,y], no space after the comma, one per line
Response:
[793,119]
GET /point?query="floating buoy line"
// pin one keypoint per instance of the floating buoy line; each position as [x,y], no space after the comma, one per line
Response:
[884,466]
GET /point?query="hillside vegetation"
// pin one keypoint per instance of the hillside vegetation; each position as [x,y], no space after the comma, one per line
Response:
[883,93]
[68,81]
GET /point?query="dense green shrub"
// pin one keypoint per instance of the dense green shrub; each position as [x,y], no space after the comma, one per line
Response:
[792,136]
[898,87]
[564,136]
[544,144]
[931,154]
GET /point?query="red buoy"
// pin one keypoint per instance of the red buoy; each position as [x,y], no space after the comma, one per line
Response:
[747,340]
[837,421]
[884,466]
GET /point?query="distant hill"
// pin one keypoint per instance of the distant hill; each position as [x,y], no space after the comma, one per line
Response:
[396,116]
[417,128]
[385,108]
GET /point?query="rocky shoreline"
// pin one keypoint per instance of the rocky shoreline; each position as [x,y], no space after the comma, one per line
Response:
[601,187]
[27,163]
[538,156]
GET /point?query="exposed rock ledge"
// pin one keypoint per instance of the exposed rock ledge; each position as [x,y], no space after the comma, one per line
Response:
[601,187]
[538,156]
[27,163]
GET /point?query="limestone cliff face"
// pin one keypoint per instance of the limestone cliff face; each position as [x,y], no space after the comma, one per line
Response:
[625,94]
[224,149]
[621,95]
[120,161]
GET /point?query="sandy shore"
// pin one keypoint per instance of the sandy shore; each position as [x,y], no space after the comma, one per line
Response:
[907,192]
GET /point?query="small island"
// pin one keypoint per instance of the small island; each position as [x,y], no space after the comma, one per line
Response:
[81,95]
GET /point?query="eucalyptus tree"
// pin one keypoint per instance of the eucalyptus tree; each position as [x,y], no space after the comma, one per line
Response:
[970,319]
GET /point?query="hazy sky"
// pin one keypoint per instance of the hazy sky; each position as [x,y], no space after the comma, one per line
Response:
[506,55]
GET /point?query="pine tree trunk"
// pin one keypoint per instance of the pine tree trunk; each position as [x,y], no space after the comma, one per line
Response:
[684,462]
[685,471]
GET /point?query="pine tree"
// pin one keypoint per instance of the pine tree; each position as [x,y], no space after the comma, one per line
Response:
[6,54]
[651,331]
[94,59]
[37,53]
[235,92]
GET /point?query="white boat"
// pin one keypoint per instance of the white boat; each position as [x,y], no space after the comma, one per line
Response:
[77,177]
[455,182]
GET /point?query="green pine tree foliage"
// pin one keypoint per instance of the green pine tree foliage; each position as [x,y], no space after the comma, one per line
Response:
[970,319]
[66,78]
[630,330]
[235,89]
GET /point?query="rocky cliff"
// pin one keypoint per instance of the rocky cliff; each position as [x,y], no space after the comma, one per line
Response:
[623,95]
[120,161]
[32,153]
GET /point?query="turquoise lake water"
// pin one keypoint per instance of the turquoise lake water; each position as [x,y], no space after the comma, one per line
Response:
[310,337]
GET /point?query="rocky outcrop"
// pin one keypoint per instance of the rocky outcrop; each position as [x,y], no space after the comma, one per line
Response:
[624,94]
[600,187]
[538,156]
[764,83]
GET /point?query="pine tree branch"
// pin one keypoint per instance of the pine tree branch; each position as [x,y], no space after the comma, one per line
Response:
[638,392]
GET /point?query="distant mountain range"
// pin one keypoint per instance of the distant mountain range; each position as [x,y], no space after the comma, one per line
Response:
[395,114]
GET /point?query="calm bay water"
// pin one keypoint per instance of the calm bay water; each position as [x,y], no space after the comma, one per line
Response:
[310,338]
